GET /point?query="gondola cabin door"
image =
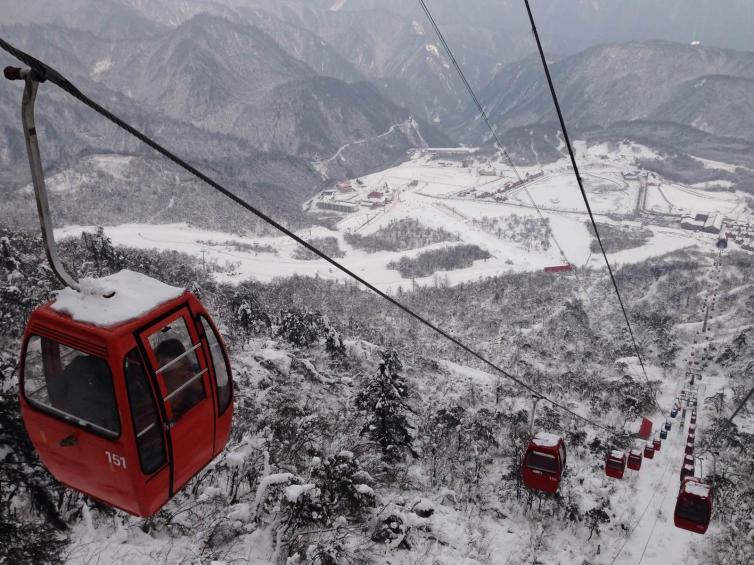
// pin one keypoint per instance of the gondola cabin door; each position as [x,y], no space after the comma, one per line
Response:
[178,362]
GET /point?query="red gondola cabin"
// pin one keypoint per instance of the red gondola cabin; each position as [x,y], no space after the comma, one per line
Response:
[689,448]
[687,470]
[634,459]
[559,269]
[125,398]
[657,444]
[649,451]
[615,465]
[544,462]
[693,508]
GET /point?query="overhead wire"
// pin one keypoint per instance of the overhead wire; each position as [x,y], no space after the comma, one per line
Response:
[580,182]
[485,117]
[501,147]
[43,72]
[641,516]
[720,430]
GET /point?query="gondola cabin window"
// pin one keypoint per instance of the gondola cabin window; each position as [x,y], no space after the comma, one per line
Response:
[179,367]
[71,385]
[222,373]
[542,462]
[694,510]
[147,425]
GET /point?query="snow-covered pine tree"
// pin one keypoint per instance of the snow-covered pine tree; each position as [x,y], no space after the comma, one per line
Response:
[334,345]
[100,246]
[384,399]
[300,328]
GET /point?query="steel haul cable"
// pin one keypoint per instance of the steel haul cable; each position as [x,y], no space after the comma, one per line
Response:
[580,182]
[499,143]
[45,73]
[486,119]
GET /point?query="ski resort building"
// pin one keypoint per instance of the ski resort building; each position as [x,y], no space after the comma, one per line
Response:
[345,207]
[709,223]
[713,224]
[689,223]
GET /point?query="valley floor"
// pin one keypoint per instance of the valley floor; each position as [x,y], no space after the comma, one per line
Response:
[444,194]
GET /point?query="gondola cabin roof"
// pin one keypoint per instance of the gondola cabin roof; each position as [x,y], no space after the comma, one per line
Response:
[696,488]
[115,299]
[544,439]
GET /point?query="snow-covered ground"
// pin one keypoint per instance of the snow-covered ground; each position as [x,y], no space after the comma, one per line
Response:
[673,198]
[443,193]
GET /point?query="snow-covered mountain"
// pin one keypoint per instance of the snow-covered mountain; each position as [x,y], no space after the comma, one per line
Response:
[216,91]
[702,87]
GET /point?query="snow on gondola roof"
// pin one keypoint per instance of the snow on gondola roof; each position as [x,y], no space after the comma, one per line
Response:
[544,439]
[134,295]
[697,488]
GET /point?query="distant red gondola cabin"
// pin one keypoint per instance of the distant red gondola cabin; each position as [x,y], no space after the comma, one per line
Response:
[693,507]
[687,470]
[657,444]
[615,465]
[125,398]
[634,459]
[559,269]
[649,451]
[544,462]
[689,448]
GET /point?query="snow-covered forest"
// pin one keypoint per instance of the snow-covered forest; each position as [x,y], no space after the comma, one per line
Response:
[360,437]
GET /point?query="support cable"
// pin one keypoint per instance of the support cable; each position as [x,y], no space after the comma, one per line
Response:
[485,117]
[586,200]
[43,72]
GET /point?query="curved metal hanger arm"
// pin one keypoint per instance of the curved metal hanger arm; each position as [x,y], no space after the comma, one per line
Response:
[37,172]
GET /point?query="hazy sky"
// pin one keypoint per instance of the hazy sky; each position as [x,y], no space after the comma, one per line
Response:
[565,24]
